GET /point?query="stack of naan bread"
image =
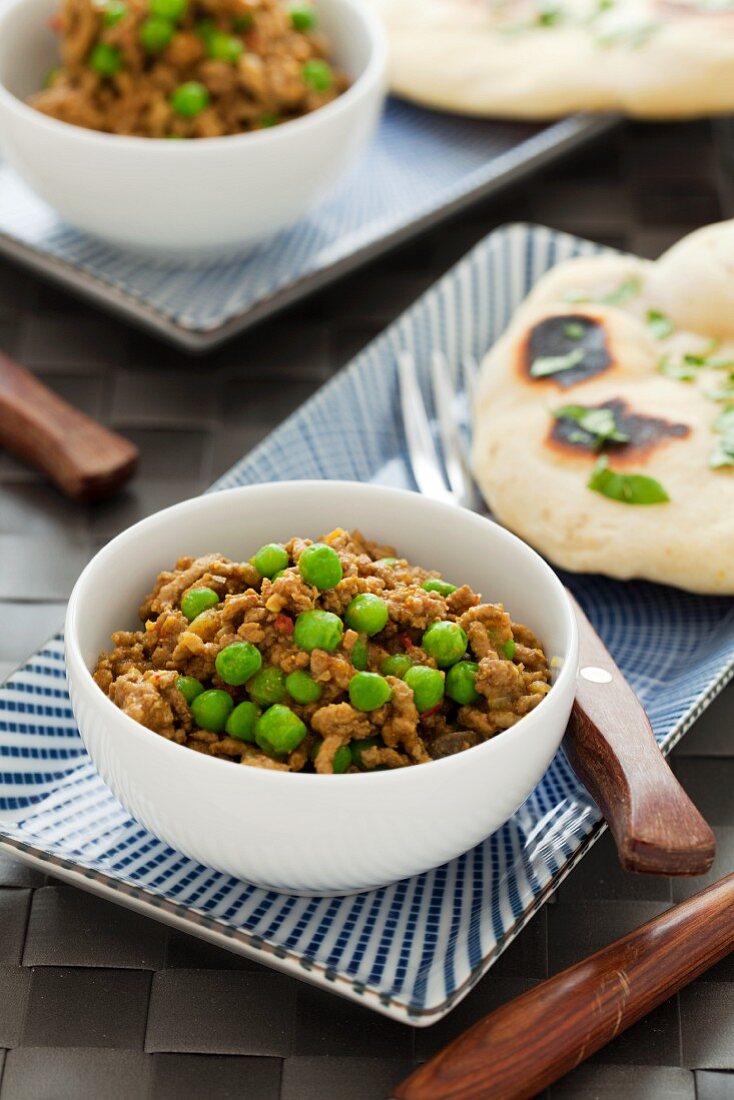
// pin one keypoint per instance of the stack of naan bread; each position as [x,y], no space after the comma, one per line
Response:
[604,422]
[546,58]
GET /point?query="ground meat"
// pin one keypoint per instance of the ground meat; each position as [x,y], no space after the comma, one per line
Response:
[498,679]
[377,757]
[264,81]
[493,618]
[401,726]
[413,608]
[141,673]
[452,742]
[341,720]
[149,698]
[532,659]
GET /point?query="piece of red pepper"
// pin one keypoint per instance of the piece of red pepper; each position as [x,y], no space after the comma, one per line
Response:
[406,641]
[433,710]
[285,624]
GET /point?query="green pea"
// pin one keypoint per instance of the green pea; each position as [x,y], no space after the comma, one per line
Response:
[318,630]
[445,642]
[189,687]
[427,685]
[342,760]
[241,722]
[460,683]
[396,665]
[279,730]
[442,587]
[190,99]
[268,686]
[369,690]
[156,34]
[267,121]
[114,12]
[236,663]
[278,575]
[270,559]
[105,60]
[302,688]
[320,566]
[359,748]
[509,649]
[367,614]
[197,600]
[317,74]
[169,9]
[360,654]
[211,710]
[205,28]
[342,757]
[303,17]
[225,47]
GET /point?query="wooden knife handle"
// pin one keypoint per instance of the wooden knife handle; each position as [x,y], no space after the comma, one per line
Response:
[518,1050]
[83,458]
[611,746]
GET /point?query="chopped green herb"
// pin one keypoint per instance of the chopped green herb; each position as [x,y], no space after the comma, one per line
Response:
[554,364]
[625,488]
[598,423]
[710,362]
[574,331]
[673,368]
[550,14]
[659,324]
[725,421]
[634,37]
[629,289]
[724,393]
[723,453]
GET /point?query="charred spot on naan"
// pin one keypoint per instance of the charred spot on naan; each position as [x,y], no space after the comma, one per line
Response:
[645,434]
[578,345]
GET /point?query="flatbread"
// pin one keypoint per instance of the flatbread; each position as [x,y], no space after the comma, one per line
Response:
[534,467]
[545,58]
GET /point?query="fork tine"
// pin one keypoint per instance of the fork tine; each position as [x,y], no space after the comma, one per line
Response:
[471,375]
[459,477]
[424,458]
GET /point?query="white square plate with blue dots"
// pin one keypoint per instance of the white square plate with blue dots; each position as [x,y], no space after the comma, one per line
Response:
[414,949]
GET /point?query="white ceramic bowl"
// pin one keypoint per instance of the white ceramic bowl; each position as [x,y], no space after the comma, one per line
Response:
[186,197]
[307,833]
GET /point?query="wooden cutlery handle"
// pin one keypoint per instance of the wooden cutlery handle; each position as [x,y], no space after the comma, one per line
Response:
[83,458]
[518,1050]
[612,749]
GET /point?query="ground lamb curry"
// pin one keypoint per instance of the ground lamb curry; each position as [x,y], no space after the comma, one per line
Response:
[334,656]
[188,68]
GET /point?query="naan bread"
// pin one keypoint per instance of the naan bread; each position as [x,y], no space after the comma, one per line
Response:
[627,325]
[546,58]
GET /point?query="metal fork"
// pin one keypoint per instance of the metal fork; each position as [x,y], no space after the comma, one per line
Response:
[609,740]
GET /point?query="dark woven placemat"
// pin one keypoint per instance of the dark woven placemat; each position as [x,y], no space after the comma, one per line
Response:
[99,1002]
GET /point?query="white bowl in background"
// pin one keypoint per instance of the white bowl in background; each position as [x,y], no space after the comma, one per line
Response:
[193,197]
[309,833]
